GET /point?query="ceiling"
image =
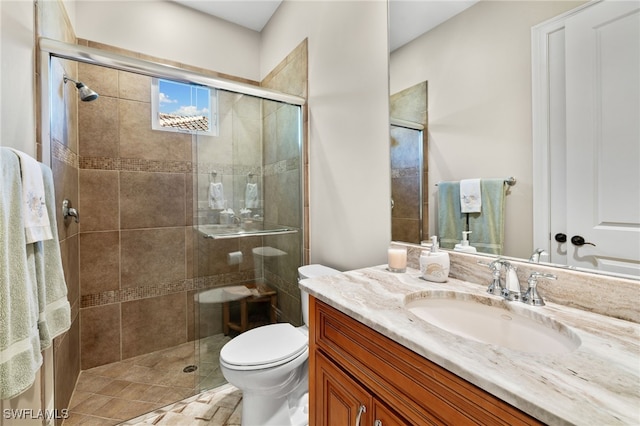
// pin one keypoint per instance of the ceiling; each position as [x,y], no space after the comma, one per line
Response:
[408,18]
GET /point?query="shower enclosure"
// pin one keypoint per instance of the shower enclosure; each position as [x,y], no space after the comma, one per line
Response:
[186,239]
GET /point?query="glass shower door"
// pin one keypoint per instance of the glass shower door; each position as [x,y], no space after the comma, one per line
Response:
[247,224]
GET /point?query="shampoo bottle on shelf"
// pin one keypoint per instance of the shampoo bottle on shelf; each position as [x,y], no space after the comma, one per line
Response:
[434,264]
[464,244]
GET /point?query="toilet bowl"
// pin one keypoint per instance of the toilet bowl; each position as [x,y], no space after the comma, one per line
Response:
[269,365]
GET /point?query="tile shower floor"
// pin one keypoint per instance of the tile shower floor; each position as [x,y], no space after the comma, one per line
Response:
[114,393]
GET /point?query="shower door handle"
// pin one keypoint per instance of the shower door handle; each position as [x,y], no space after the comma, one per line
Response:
[67,211]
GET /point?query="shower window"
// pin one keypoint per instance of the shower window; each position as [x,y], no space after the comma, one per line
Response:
[182,107]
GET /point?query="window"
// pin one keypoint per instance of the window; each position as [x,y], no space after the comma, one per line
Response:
[183,107]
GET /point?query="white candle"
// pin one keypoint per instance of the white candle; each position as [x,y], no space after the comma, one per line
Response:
[397,258]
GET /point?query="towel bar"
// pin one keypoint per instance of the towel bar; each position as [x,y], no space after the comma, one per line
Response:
[509,181]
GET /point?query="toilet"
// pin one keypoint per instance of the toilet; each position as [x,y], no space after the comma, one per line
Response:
[269,365]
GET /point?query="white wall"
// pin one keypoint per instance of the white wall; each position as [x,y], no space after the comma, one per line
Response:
[17,91]
[169,30]
[350,219]
[478,68]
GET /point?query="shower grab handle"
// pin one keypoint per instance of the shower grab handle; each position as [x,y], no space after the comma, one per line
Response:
[251,233]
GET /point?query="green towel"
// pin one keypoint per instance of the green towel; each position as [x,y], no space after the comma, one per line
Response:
[451,221]
[20,356]
[55,312]
[487,227]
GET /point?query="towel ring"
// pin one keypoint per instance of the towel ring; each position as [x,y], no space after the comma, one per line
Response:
[212,176]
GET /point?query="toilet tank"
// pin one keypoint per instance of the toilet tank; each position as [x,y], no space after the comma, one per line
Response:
[311,271]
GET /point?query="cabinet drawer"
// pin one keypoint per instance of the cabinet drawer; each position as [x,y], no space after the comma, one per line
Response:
[419,390]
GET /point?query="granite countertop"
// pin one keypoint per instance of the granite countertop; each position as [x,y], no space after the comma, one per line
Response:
[598,383]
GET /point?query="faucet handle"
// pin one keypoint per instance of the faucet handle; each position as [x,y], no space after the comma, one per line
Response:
[495,266]
[532,297]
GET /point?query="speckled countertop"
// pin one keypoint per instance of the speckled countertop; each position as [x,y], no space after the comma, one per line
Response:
[596,384]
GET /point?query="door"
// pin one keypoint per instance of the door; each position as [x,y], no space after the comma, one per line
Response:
[603,137]
[342,401]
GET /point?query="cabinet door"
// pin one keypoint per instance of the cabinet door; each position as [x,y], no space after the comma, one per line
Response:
[385,417]
[343,401]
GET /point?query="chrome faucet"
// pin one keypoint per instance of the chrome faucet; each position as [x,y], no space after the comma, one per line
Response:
[535,257]
[495,287]
[532,297]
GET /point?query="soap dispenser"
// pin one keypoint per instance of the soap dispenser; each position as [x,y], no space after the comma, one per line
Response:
[434,264]
[464,244]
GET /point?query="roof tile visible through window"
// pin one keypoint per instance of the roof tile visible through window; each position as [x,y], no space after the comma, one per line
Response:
[196,123]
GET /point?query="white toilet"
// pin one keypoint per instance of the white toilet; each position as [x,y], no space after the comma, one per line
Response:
[269,365]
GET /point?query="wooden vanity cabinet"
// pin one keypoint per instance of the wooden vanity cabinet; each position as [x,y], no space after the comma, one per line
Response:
[352,366]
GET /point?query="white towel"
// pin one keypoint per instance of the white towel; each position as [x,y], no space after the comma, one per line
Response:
[470,198]
[34,210]
[251,196]
[54,308]
[216,195]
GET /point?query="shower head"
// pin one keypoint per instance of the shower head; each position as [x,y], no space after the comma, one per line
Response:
[86,94]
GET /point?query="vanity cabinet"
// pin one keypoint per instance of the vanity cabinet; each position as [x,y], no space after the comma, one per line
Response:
[353,366]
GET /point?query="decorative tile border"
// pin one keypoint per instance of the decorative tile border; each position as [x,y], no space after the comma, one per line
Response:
[163,289]
[405,172]
[64,154]
[135,165]
[282,166]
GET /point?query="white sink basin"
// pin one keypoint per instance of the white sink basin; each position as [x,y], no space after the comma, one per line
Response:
[492,320]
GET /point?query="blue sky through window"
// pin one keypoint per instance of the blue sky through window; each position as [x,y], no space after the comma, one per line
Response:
[183,99]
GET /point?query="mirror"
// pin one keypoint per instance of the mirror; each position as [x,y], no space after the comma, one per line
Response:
[477,65]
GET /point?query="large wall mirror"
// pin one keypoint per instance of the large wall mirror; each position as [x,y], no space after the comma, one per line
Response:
[476,62]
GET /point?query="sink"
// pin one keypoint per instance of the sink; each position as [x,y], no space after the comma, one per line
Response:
[493,320]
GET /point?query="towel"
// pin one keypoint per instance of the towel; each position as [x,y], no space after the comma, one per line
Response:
[34,210]
[488,227]
[54,308]
[251,196]
[451,221]
[20,356]
[470,196]
[216,195]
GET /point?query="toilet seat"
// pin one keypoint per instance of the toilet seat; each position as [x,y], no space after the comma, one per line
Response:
[264,347]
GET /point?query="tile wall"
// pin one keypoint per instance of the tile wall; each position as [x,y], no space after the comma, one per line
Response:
[138,269]
[282,180]
[135,236]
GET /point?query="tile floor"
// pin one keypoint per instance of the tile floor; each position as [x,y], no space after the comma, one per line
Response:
[217,407]
[113,393]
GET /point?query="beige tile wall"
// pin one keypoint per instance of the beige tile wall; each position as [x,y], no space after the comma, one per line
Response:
[138,273]
[135,204]
[282,180]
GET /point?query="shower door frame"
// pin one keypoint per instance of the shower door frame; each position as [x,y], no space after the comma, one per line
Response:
[49,48]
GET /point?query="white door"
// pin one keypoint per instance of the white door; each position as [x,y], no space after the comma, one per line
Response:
[603,136]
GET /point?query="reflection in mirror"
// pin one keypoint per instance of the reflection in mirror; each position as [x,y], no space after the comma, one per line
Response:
[408,110]
[478,68]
